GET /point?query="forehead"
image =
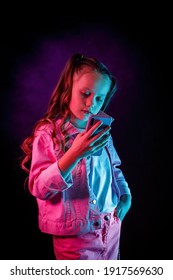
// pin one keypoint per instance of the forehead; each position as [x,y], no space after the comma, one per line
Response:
[85,71]
[91,79]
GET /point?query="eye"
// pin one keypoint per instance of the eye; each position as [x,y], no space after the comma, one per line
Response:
[99,99]
[86,93]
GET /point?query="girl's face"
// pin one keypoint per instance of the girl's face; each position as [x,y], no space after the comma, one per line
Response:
[89,91]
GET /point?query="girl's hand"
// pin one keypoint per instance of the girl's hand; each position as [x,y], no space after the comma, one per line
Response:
[85,144]
[123,206]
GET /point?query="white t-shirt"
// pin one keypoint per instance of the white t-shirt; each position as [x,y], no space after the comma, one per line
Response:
[100,179]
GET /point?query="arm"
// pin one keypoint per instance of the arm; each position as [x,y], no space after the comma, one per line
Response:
[45,178]
[123,191]
[125,200]
[83,146]
[51,174]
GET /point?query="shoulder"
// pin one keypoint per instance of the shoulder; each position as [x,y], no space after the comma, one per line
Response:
[44,129]
[47,128]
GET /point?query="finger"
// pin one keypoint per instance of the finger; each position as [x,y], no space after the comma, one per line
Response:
[94,127]
[99,144]
[101,136]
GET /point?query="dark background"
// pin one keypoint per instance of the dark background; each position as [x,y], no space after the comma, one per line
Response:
[137,50]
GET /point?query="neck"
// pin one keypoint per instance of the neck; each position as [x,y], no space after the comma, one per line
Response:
[78,123]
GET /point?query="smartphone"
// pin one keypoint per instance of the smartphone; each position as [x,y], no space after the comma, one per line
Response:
[106,121]
[101,116]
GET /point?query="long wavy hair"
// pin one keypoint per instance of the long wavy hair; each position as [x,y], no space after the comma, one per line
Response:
[58,106]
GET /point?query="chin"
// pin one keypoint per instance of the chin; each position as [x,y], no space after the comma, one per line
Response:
[83,117]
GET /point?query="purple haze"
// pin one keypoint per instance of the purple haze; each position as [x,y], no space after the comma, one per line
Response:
[37,73]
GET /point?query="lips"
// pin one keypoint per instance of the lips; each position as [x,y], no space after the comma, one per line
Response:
[86,111]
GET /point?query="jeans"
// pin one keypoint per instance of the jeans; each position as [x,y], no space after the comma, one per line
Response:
[101,244]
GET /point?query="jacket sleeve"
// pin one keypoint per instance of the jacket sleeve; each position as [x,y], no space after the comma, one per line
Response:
[120,181]
[45,179]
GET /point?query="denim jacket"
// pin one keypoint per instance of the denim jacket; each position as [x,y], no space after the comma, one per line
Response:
[67,207]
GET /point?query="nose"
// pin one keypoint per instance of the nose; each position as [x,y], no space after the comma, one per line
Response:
[90,101]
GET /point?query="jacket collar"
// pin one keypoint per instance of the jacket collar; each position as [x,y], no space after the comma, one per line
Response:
[70,128]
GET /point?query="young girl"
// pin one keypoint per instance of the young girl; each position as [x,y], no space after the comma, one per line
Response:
[82,197]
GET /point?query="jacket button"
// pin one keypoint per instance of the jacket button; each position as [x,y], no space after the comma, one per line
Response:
[96,224]
[106,218]
[94,201]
